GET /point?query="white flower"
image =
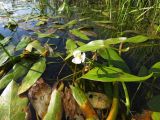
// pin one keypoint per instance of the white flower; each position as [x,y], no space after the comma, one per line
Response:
[122,38]
[78,57]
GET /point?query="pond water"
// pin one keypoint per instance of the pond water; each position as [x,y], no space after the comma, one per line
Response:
[16,7]
[15,10]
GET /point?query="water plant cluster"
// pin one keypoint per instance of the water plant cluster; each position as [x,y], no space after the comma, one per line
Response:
[83,60]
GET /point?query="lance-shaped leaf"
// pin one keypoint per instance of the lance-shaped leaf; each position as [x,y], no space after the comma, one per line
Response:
[33,75]
[54,111]
[135,39]
[67,25]
[19,70]
[46,35]
[5,41]
[92,46]
[112,74]
[97,44]
[23,43]
[36,45]
[79,34]
[84,103]
[12,107]
[4,56]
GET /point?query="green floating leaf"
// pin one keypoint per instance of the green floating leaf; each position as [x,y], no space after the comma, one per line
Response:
[89,33]
[5,41]
[23,43]
[155,69]
[79,34]
[33,75]
[112,74]
[4,56]
[19,70]
[54,111]
[70,24]
[114,59]
[12,107]
[154,103]
[46,35]
[70,45]
[36,45]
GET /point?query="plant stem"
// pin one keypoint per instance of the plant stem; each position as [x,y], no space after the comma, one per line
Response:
[127,102]
[127,97]
[115,103]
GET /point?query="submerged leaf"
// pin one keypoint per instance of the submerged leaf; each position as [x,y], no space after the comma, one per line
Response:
[112,74]
[12,107]
[33,75]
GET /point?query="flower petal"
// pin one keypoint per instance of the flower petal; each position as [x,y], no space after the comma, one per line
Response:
[76,61]
[83,56]
[76,53]
[123,38]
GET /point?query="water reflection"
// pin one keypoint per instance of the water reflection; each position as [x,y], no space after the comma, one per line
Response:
[15,8]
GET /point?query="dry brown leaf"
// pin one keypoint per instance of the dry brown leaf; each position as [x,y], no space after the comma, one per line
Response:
[71,107]
[39,96]
[99,100]
[146,115]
